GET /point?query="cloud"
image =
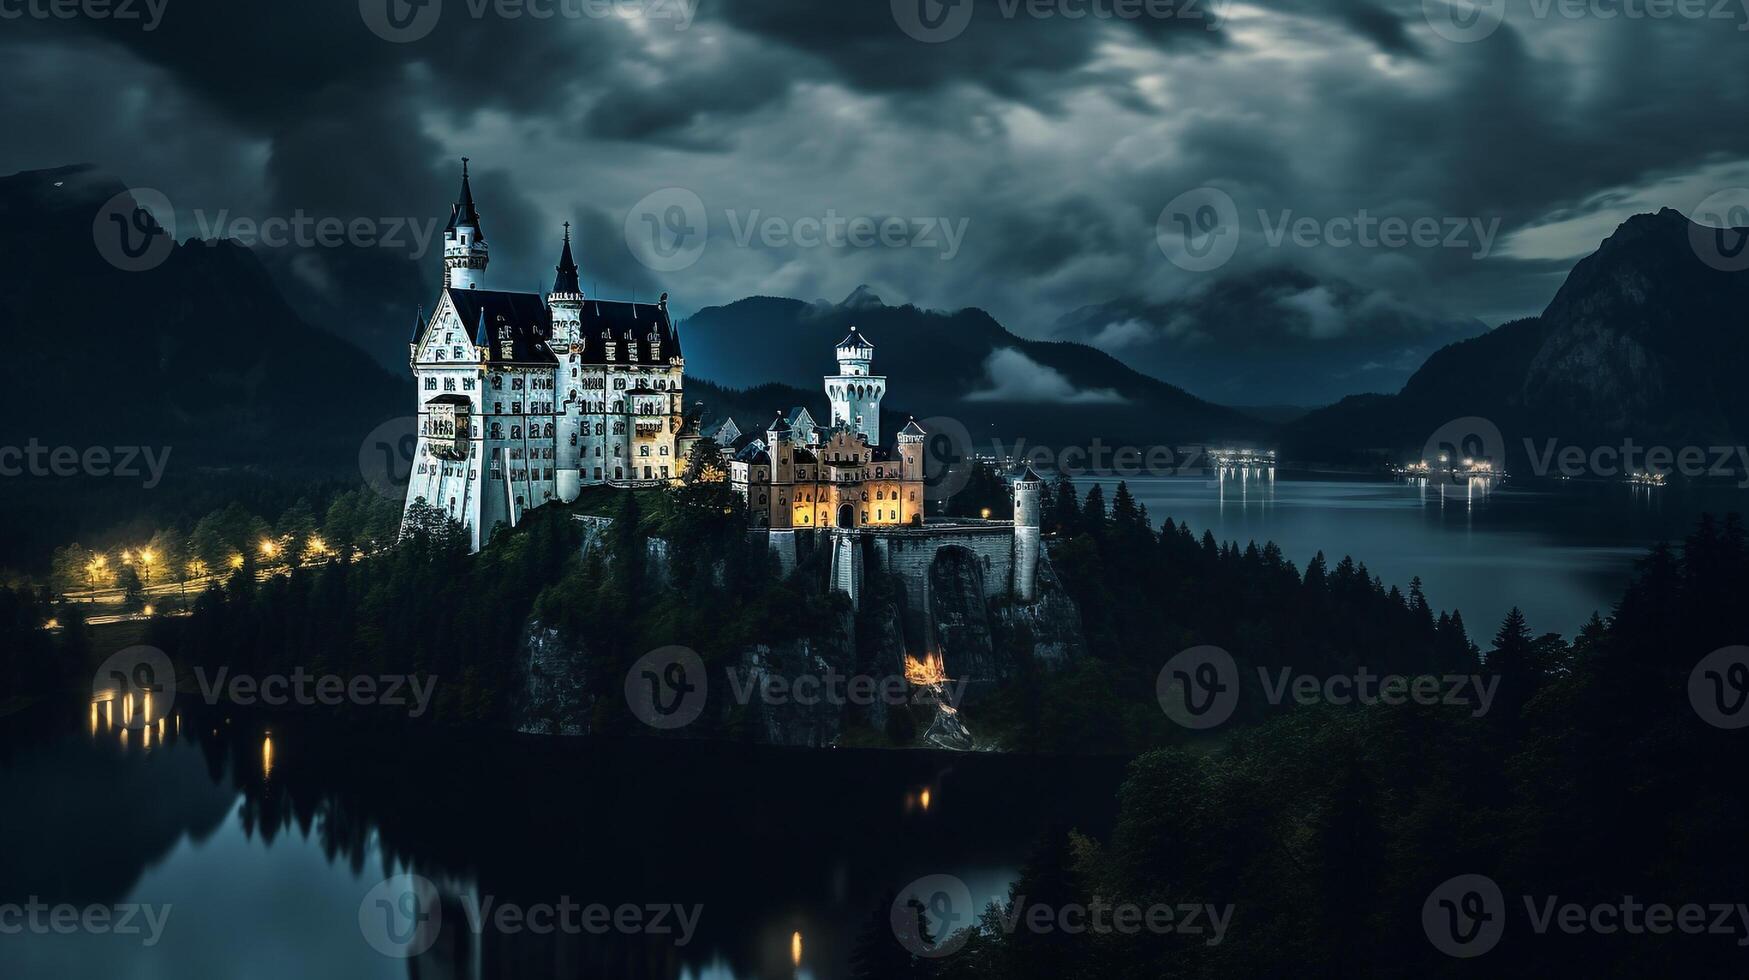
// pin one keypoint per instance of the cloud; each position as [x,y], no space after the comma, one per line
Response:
[1014,377]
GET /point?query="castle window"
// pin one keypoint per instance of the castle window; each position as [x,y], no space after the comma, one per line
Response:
[573,440]
[549,431]
[467,384]
[664,450]
[516,432]
[438,354]
[497,408]
[448,384]
[497,382]
[430,384]
[497,431]
[516,383]
[643,450]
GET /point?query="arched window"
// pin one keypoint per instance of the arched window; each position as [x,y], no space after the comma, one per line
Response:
[516,432]
[550,430]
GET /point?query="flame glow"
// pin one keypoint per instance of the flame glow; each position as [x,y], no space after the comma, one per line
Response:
[925,672]
[795,948]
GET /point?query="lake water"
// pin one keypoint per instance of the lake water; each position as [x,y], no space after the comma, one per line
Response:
[1559,551]
[268,843]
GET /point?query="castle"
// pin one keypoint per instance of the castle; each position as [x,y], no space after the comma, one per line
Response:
[525,399]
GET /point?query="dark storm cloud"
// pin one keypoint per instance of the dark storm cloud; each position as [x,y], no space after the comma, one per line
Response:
[1058,141]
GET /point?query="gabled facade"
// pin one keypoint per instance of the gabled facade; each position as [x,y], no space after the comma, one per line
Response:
[524,399]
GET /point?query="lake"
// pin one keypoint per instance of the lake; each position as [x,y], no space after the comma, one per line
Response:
[269,843]
[1559,551]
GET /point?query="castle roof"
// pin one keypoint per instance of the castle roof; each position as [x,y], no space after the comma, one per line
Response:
[718,428]
[778,424]
[912,429]
[526,321]
[1026,474]
[855,340]
[521,319]
[566,280]
[463,211]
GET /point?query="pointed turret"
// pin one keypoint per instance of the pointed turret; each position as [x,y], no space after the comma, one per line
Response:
[566,283]
[464,241]
[463,214]
[482,336]
[418,325]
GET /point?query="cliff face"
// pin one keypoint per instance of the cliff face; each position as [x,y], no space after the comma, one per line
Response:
[983,643]
[1643,340]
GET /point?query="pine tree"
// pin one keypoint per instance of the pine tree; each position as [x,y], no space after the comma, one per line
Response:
[1066,506]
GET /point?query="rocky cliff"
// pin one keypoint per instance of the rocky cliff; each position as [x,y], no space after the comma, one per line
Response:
[847,683]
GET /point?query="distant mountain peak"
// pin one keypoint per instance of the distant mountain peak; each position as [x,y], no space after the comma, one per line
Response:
[862,298]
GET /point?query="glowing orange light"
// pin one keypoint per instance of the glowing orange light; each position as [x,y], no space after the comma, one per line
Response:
[267,756]
[795,948]
[925,799]
[925,672]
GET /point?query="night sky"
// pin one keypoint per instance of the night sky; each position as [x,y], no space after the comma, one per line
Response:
[1054,143]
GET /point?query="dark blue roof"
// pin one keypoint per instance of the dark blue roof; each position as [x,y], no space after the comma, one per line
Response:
[520,318]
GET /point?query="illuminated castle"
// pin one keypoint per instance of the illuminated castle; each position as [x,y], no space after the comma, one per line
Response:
[524,399]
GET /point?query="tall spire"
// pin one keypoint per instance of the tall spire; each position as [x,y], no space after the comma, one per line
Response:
[566,282]
[463,213]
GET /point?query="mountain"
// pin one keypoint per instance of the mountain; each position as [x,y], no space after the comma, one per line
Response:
[1270,336]
[962,365]
[199,353]
[1643,340]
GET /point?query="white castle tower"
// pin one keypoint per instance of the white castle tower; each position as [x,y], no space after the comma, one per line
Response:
[1027,490]
[464,242]
[855,394]
[566,303]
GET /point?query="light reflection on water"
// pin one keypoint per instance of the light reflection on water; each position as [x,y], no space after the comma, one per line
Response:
[1558,550]
[266,845]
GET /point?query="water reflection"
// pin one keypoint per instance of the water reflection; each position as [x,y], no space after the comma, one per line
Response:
[271,836]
